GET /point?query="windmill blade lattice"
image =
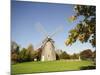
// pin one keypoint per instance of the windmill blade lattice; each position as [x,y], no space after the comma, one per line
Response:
[41,29]
[59,29]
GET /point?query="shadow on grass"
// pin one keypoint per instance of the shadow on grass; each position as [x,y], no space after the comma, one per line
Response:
[87,67]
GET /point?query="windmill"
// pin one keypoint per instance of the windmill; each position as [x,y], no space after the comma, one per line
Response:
[47,45]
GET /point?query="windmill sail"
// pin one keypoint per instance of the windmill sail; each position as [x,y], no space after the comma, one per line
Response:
[48,49]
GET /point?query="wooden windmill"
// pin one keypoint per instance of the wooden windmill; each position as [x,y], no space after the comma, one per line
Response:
[47,45]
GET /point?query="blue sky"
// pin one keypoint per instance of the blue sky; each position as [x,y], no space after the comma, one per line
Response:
[25,16]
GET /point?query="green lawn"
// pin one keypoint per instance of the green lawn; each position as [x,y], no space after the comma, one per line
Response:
[50,66]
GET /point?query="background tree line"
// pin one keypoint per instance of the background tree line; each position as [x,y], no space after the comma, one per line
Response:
[29,54]
[87,54]
[22,55]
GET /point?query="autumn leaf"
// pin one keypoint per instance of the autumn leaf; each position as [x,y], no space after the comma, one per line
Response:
[72,18]
[68,41]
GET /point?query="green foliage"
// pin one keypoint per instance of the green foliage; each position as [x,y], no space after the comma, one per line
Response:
[27,55]
[85,29]
[74,56]
[14,47]
[94,55]
[14,58]
[64,55]
[38,54]
[22,55]
[30,47]
[30,53]
[14,52]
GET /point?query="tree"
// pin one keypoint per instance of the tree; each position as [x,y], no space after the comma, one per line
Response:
[14,52]
[38,54]
[30,47]
[94,54]
[74,56]
[86,54]
[30,53]
[58,54]
[64,55]
[85,30]
[94,57]
[14,47]
[22,55]
[14,58]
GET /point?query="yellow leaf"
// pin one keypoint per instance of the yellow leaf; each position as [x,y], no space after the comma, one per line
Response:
[72,18]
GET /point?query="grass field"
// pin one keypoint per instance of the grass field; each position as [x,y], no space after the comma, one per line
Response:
[50,66]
